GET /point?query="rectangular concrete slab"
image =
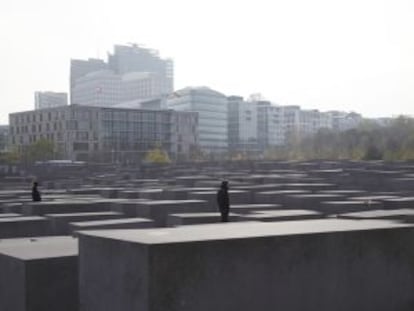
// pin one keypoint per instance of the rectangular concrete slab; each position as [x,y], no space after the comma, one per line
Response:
[323,264]
[13,227]
[39,275]
[60,222]
[62,207]
[124,223]
[159,210]
[198,218]
[283,215]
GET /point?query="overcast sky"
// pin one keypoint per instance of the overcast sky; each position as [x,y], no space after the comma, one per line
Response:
[351,55]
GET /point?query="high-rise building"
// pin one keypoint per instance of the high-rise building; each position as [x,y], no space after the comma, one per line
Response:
[141,85]
[270,129]
[212,110]
[242,125]
[343,121]
[50,99]
[106,134]
[80,68]
[106,89]
[4,137]
[99,89]
[132,73]
[133,58]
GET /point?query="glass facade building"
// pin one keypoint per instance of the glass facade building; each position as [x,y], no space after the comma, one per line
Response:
[106,134]
[212,109]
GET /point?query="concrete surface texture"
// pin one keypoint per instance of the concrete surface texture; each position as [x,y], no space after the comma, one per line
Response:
[314,235]
[39,275]
[305,265]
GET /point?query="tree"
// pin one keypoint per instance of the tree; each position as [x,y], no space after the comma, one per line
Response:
[157,155]
[41,150]
[11,157]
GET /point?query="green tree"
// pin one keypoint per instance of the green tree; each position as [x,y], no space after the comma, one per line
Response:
[41,150]
[157,155]
[11,157]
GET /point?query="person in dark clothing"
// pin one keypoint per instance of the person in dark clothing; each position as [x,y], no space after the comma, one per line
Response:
[35,193]
[223,201]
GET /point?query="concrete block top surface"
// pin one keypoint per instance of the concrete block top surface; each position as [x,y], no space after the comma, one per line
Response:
[110,222]
[191,189]
[283,213]
[317,196]
[343,191]
[34,249]
[194,177]
[285,192]
[169,202]
[6,215]
[49,239]
[215,192]
[380,213]
[306,185]
[21,219]
[402,199]
[255,206]
[83,214]
[198,215]
[242,231]
[374,198]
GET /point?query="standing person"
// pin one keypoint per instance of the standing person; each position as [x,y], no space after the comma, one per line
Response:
[223,201]
[35,193]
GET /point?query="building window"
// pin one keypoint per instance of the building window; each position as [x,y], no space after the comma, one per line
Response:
[80,146]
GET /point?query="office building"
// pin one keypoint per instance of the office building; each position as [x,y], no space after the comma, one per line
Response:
[106,134]
[50,100]
[80,68]
[343,121]
[4,137]
[134,58]
[99,88]
[212,110]
[270,125]
[242,126]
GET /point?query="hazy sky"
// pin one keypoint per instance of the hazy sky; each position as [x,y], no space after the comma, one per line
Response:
[352,55]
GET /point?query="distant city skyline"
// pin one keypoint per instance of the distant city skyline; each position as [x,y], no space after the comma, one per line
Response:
[327,55]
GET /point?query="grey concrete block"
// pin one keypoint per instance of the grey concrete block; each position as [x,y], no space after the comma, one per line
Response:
[181,219]
[129,208]
[404,215]
[124,223]
[159,210]
[303,265]
[60,222]
[338,207]
[283,215]
[62,207]
[399,203]
[276,196]
[13,227]
[39,275]
[7,215]
[248,208]
[235,197]
[309,201]
[182,193]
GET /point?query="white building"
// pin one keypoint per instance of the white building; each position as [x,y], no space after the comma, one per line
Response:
[44,100]
[242,125]
[141,85]
[135,58]
[343,121]
[97,89]
[212,115]
[106,89]
[270,125]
